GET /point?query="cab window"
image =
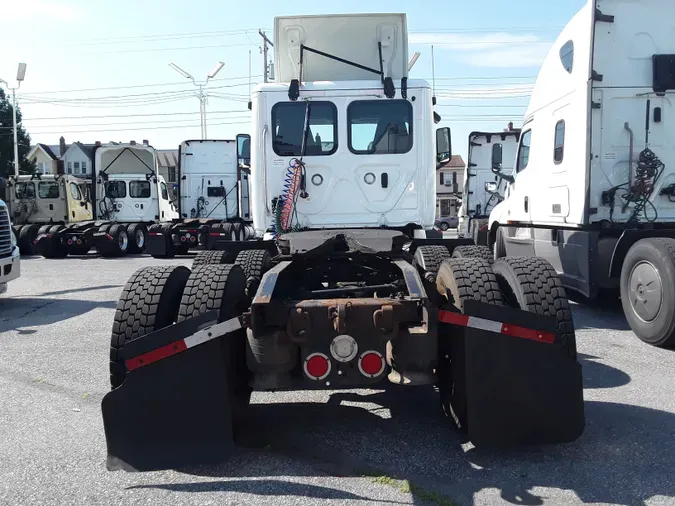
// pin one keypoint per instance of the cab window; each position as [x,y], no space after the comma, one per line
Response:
[139,189]
[288,122]
[165,192]
[24,190]
[115,189]
[524,151]
[75,192]
[48,190]
[380,127]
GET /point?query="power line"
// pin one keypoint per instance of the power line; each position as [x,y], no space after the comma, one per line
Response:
[134,115]
[143,128]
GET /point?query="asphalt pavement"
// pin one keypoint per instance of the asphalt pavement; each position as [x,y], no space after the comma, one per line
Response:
[389,446]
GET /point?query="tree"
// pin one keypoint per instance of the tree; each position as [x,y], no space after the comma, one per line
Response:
[7,140]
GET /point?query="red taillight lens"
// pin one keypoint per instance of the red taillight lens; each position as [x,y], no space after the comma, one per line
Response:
[317,366]
[371,364]
[182,238]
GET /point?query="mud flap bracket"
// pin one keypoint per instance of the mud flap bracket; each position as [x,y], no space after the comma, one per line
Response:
[520,387]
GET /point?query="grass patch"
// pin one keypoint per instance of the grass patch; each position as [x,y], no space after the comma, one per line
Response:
[407,487]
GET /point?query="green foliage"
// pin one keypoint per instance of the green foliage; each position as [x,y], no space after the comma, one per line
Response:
[7,140]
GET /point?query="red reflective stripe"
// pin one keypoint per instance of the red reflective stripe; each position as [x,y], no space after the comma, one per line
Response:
[505,328]
[215,234]
[453,318]
[192,231]
[535,335]
[156,355]
[155,233]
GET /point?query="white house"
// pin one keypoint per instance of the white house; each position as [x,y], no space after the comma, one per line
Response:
[78,159]
[449,187]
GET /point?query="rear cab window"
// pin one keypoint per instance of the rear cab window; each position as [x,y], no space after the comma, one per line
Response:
[139,189]
[288,121]
[48,190]
[379,127]
[115,189]
[23,190]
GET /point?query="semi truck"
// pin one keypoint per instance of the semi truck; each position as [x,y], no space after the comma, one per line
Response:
[593,187]
[213,198]
[10,256]
[127,197]
[483,189]
[347,285]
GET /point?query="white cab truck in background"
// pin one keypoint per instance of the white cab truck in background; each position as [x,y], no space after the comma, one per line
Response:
[593,188]
[10,261]
[483,189]
[213,197]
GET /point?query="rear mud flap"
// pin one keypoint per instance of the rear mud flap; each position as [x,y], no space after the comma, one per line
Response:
[173,410]
[158,243]
[520,387]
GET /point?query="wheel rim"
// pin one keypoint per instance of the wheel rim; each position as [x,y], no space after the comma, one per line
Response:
[444,227]
[140,238]
[645,291]
[123,240]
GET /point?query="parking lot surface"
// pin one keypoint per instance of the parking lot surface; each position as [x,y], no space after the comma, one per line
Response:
[388,446]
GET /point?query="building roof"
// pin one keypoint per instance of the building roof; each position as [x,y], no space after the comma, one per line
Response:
[167,157]
[456,162]
[87,149]
[49,151]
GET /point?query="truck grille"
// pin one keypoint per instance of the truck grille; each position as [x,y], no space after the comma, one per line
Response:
[5,233]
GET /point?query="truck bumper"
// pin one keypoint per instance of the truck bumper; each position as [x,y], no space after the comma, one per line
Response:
[10,269]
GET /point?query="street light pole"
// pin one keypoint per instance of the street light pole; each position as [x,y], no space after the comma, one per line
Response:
[200,94]
[20,75]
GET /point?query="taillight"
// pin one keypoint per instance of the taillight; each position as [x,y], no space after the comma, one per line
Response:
[317,366]
[371,363]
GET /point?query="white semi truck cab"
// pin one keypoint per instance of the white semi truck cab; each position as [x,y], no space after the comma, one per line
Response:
[343,139]
[10,261]
[593,187]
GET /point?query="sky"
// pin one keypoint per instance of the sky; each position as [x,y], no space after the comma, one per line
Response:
[99,69]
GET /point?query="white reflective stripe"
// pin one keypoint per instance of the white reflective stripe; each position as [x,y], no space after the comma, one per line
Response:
[482,324]
[213,332]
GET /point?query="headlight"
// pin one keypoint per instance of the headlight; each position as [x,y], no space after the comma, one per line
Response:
[13,240]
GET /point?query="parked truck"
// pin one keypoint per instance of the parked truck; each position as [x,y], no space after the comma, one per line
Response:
[347,286]
[593,188]
[213,198]
[127,197]
[483,189]
[10,258]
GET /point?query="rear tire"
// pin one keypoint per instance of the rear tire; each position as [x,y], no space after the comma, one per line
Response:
[27,235]
[647,290]
[221,288]
[473,252]
[138,237]
[149,302]
[52,247]
[461,279]
[209,257]
[119,244]
[500,244]
[532,284]
[429,259]
[255,263]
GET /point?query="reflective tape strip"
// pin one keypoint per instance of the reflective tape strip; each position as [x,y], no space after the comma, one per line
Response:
[199,337]
[494,326]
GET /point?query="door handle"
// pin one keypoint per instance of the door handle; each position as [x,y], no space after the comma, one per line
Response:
[526,204]
[384,179]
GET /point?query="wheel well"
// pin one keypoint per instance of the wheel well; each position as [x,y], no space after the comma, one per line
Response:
[626,241]
[492,234]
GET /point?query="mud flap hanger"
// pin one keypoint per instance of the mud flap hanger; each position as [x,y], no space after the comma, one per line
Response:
[389,88]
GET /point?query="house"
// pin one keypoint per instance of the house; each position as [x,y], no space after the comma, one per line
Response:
[167,162]
[449,187]
[44,157]
[78,158]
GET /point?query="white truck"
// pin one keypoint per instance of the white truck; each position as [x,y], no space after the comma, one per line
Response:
[10,260]
[593,188]
[352,288]
[127,197]
[483,189]
[213,199]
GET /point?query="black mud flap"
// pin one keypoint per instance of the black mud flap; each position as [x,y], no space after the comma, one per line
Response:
[173,410]
[158,243]
[521,389]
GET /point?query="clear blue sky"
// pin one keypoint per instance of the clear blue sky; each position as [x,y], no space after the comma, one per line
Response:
[487,56]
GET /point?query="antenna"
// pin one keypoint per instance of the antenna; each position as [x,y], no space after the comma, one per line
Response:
[433,76]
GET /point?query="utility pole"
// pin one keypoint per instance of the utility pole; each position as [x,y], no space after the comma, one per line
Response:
[20,75]
[266,42]
[200,94]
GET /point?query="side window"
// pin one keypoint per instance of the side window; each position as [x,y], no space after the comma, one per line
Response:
[48,190]
[380,127]
[567,56]
[75,192]
[165,193]
[559,142]
[115,189]
[139,189]
[442,177]
[24,190]
[288,123]
[524,151]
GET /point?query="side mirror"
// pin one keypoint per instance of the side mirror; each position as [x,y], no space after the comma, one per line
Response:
[244,149]
[443,147]
[490,187]
[497,163]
